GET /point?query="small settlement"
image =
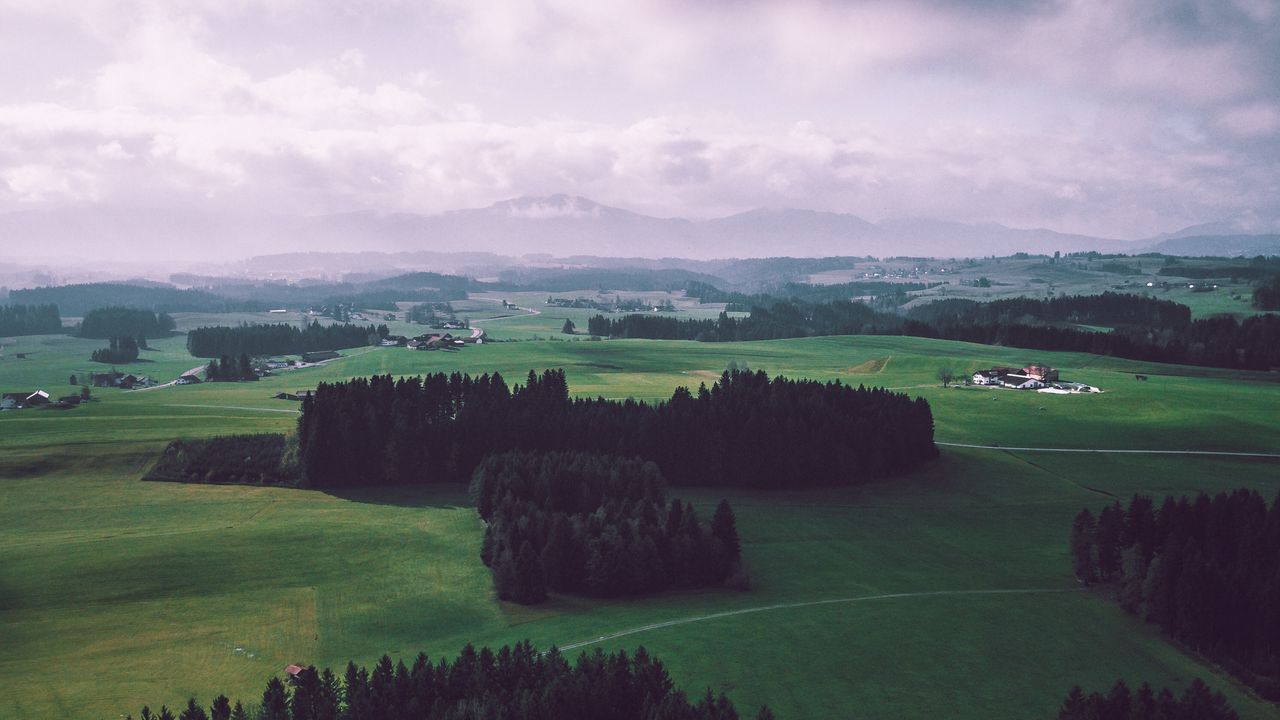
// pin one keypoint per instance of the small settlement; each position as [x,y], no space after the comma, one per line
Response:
[38,399]
[1032,377]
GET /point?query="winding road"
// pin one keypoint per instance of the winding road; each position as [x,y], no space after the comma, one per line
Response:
[812,603]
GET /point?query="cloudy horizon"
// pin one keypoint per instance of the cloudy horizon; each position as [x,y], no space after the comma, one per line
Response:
[1112,119]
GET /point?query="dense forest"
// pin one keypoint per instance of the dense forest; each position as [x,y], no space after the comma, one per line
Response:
[231,296]
[746,430]
[805,292]
[120,351]
[1198,702]
[571,279]
[1148,329]
[596,525]
[1266,296]
[29,320]
[111,322]
[264,459]
[80,298]
[1109,309]
[1207,571]
[230,369]
[776,321]
[513,682]
[280,339]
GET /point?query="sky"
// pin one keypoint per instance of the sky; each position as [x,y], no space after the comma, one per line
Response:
[1113,118]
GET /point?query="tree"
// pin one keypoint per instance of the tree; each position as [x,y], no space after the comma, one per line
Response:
[569,328]
[946,374]
[221,708]
[193,711]
[275,701]
[724,528]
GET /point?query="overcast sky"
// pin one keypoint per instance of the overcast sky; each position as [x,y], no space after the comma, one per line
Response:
[1113,118]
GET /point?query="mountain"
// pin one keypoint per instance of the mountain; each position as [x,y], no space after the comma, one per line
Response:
[1219,245]
[556,225]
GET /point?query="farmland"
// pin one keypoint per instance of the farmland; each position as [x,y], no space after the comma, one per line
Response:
[149,592]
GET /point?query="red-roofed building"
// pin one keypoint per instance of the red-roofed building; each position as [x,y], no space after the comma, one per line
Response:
[1043,373]
[293,670]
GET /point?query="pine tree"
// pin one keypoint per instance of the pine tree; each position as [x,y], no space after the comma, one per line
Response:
[724,528]
[193,711]
[221,708]
[275,701]
[568,328]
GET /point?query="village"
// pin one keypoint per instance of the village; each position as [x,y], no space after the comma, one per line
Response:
[1040,378]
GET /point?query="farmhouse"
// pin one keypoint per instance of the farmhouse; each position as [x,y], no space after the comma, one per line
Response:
[990,377]
[319,356]
[1021,382]
[187,380]
[19,400]
[1042,373]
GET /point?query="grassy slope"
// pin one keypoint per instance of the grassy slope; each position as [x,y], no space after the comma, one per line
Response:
[142,592]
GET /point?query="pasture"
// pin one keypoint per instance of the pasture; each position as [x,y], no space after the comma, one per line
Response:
[150,592]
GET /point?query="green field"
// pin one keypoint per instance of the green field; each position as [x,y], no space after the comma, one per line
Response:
[135,592]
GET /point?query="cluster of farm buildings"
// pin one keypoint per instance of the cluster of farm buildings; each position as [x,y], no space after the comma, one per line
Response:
[37,399]
[434,341]
[1031,377]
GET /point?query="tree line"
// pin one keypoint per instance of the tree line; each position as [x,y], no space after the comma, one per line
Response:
[29,320]
[807,292]
[514,682]
[775,321]
[1108,308]
[1266,296]
[108,322]
[1198,702]
[280,339]
[745,430]
[120,350]
[218,295]
[1207,571]
[1252,343]
[596,525]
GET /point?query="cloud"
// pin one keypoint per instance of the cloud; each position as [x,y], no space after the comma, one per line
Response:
[1125,118]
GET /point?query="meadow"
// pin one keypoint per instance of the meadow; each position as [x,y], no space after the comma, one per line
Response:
[133,592]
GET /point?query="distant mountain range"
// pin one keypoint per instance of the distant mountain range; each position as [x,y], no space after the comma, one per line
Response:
[565,225]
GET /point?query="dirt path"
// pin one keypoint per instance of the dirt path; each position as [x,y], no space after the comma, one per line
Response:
[1219,453]
[812,603]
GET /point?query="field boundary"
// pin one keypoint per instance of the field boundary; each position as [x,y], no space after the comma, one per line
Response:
[813,603]
[1221,453]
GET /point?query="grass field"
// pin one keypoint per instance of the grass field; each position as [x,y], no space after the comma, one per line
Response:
[138,592]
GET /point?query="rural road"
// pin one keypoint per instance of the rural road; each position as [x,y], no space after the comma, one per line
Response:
[811,603]
[1127,452]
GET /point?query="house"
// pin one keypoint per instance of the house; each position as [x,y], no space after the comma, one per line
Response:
[293,671]
[279,311]
[319,356]
[19,400]
[987,377]
[105,379]
[187,380]
[70,399]
[1021,382]
[1043,373]
[992,376]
